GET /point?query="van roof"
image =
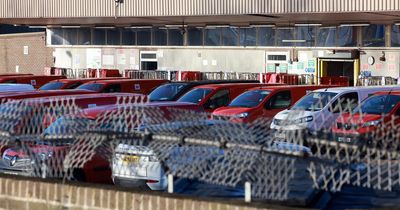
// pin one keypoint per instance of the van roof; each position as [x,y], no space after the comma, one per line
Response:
[218,86]
[346,89]
[287,87]
[124,81]
[86,79]
[84,96]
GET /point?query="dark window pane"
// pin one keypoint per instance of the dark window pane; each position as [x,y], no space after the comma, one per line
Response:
[327,37]
[128,37]
[374,36]
[159,36]
[175,37]
[99,36]
[70,36]
[285,37]
[396,36]
[113,37]
[248,37]
[230,36]
[212,36]
[56,36]
[84,36]
[266,36]
[347,37]
[143,36]
[195,36]
[306,33]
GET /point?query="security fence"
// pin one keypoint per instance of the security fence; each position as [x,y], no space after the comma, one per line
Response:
[137,144]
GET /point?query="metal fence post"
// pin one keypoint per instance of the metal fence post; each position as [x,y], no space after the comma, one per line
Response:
[170,183]
[247,192]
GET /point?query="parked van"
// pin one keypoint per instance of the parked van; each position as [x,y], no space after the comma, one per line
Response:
[319,110]
[378,117]
[34,80]
[174,90]
[210,97]
[70,83]
[140,86]
[262,102]
[37,94]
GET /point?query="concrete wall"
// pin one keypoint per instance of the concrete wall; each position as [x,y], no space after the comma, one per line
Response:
[36,195]
[24,53]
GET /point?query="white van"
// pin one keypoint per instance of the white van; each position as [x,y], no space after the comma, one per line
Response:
[318,110]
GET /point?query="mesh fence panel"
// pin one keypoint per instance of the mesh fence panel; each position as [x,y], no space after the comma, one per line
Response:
[135,143]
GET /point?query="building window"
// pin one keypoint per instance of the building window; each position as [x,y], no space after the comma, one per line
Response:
[212,36]
[347,36]
[160,36]
[248,37]
[99,36]
[285,37]
[266,36]
[195,36]
[175,37]
[128,36]
[374,36]
[306,33]
[230,36]
[84,36]
[327,37]
[395,36]
[70,36]
[56,36]
[113,37]
[143,36]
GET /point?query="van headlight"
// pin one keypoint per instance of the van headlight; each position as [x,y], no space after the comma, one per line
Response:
[242,115]
[305,119]
[371,123]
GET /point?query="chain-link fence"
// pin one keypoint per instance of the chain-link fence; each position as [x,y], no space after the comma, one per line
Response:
[137,144]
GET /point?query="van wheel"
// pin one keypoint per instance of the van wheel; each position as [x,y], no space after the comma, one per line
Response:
[78,175]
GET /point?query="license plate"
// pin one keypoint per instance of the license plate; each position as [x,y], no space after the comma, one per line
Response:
[129,159]
[280,135]
[344,139]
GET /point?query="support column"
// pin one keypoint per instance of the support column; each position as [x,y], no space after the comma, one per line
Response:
[356,71]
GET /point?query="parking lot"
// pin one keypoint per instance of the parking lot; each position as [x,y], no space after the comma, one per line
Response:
[298,145]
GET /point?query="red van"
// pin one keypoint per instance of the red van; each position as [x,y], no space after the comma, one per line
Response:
[71,83]
[37,94]
[140,86]
[96,170]
[378,117]
[34,80]
[262,103]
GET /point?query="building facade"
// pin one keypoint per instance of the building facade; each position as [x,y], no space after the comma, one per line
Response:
[352,38]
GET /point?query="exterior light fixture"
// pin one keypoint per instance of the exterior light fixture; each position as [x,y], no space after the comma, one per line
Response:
[37,26]
[264,26]
[104,27]
[294,40]
[354,24]
[308,24]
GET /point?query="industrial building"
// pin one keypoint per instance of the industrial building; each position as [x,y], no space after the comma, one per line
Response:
[353,38]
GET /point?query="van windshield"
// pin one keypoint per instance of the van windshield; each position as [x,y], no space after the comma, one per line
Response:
[167,92]
[52,86]
[195,95]
[250,99]
[314,101]
[379,104]
[94,86]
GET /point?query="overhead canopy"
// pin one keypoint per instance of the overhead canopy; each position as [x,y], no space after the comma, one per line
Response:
[154,12]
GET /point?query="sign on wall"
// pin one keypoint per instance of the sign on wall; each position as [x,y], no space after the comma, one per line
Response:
[93,58]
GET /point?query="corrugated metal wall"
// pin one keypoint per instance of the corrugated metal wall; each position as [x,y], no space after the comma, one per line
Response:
[106,8]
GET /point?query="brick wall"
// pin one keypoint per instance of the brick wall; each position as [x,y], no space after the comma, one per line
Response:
[12,53]
[39,195]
